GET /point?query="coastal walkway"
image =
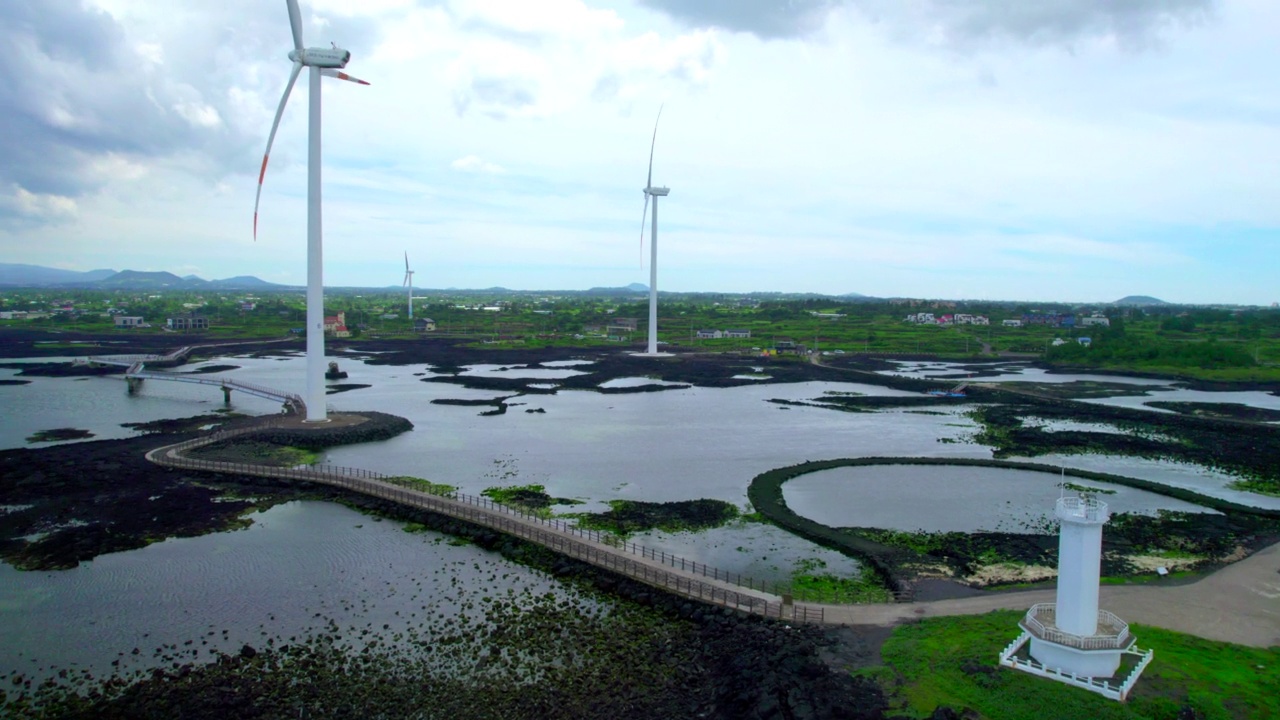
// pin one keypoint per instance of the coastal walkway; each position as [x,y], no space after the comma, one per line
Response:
[659,569]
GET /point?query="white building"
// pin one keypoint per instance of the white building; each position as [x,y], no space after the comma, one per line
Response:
[1011,323]
[1073,640]
[128,321]
[1095,319]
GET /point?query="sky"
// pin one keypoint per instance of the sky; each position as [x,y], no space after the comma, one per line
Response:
[1061,150]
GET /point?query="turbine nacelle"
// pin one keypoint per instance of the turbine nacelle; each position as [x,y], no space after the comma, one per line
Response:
[334,57]
[657,191]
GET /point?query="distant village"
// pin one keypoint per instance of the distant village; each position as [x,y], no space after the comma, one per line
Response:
[1065,320]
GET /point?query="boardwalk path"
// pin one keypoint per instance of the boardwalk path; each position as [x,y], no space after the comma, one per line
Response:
[1239,603]
[673,574]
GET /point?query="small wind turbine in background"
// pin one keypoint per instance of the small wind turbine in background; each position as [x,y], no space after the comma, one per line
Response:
[652,192]
[408,282]
[322,61]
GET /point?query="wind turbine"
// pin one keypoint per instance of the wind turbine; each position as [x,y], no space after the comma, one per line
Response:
[322,61]
[408,282]
[652,192]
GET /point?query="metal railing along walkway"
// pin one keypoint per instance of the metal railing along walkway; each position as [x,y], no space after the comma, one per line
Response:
[657,568]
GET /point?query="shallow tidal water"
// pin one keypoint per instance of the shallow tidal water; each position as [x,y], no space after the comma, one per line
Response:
[300,566]
[303,559]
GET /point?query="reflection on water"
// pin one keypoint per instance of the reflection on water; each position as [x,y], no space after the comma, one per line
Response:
[636,382]
[1007,372]
[299,566]
[518,371]
[948,498]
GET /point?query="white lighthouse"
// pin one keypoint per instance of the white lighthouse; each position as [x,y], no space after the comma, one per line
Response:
[1073,640]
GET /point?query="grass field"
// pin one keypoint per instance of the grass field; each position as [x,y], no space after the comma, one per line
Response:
[952,661]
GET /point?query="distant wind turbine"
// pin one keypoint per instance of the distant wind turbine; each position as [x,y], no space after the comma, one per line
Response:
[408,282]
[652,192]
[322,61]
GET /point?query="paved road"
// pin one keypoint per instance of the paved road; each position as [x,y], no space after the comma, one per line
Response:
[1239,603]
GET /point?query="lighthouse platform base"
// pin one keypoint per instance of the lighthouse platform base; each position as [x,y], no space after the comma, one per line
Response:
[1130,662]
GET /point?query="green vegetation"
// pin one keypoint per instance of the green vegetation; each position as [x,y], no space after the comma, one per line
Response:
[951,661]
[1256,486]
[1205,343]
[631,516]
[810,584]
[426,486]
[532,499]
[256,452]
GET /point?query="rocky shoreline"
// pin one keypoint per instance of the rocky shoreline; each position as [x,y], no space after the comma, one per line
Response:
[87,498]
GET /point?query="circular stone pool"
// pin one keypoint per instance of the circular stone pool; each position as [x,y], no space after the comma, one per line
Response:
[950,498]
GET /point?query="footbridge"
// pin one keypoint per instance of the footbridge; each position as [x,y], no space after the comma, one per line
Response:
[292,402]
[136,372]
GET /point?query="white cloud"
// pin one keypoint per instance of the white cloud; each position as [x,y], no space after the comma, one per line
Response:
[472,163]
[198,114]
[884,163]
[34,206]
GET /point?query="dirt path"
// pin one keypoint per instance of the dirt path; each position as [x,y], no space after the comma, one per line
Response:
[1239,603]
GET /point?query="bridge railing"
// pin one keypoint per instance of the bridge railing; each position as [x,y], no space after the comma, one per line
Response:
[293,400]
[580,543]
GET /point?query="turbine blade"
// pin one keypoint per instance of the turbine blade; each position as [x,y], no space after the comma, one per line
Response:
[275,125]
[341,75]
[295,22]
[654,141]
[643,216]
[406,262]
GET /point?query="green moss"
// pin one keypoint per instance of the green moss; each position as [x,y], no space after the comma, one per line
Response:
[810,584]
[630,516]
[415,483]
[952,661]
[531,499]
[1261,487]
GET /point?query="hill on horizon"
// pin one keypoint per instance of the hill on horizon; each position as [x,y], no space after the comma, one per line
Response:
[1140,300]
[19,275]
[35,275]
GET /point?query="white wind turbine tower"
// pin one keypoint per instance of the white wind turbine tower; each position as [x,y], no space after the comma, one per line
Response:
[322,61]
[652,192]
[408,282]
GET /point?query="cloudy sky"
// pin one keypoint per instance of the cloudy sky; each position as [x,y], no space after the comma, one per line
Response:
[1075,150]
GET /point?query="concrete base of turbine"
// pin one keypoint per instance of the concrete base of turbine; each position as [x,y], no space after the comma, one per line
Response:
[652,355]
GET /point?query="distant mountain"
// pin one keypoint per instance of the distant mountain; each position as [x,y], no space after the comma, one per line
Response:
[141,280]
[243,282]
[36,275]
[1140,300]
[628,290]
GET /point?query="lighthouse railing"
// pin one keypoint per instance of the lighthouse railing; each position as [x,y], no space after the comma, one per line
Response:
[1040,621]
